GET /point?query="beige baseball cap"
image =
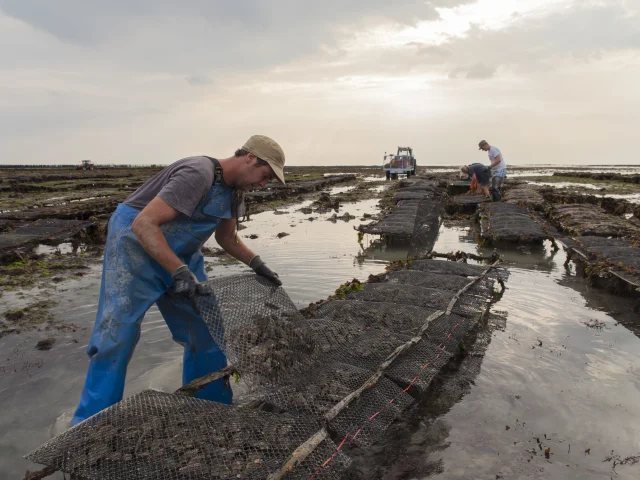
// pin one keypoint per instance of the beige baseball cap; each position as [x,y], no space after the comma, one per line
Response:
[268,150]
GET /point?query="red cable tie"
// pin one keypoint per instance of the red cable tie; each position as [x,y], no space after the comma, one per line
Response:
[314,474]
[374,416]
[357,433]
[340,446]
[426,365]
[327,462]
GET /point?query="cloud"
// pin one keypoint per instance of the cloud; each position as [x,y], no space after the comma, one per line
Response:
[479,71]
[199,80]
[120,78]
[434,51]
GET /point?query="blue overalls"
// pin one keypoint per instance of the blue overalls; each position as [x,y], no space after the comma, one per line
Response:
[132,282]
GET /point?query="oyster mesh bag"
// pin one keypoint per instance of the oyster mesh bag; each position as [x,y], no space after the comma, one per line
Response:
[341,373]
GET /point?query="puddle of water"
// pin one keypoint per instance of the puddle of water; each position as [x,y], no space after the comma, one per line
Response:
[443,170]
[88,198]
[46,249]
[337,190]
[317,256]
[631,197]
[360,169]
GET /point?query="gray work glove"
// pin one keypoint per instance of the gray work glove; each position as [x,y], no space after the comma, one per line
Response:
[261,268]
[185,284]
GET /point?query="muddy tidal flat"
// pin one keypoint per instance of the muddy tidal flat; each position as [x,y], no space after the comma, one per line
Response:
[547,388]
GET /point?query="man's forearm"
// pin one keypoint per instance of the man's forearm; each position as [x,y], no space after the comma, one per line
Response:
[155,244]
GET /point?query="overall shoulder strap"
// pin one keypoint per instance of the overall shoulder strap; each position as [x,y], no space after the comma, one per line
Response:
[217,169]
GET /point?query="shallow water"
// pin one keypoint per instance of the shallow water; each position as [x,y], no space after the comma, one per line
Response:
[546,373]
[337,190]
[317,255]
[630,197]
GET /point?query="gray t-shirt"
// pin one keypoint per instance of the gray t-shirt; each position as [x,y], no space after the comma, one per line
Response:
[182,185]
[493,153]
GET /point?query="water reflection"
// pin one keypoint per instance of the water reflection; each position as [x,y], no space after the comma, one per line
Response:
[317,255]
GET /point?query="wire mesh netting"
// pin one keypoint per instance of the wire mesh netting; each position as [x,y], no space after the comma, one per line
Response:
[419,279]
[348,367]
[399,318]
[426,225]
[160,435]
[407,203]
[333,381]
[591,220]
[258,327]
[615,250]
[525,195]
[404,294]
[506,222]
[419,365]
[437,267]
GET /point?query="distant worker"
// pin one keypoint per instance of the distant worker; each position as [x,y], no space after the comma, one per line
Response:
[498,168]
[480,176]
[153,255]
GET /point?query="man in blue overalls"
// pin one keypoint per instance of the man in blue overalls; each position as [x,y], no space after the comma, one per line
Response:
[153,255]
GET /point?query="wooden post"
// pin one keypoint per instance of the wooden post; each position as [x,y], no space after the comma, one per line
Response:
[194,386]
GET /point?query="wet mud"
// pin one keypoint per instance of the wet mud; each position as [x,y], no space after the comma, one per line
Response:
[36,317]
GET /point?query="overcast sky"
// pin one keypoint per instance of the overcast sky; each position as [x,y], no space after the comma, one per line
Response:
[334,82]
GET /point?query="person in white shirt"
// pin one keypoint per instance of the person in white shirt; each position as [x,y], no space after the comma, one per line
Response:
[498,168]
